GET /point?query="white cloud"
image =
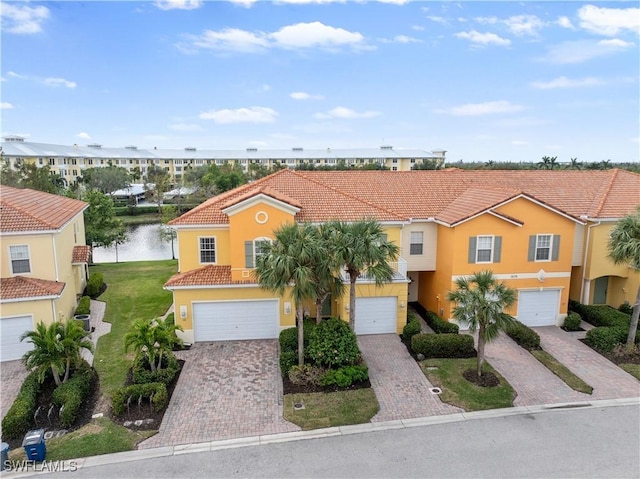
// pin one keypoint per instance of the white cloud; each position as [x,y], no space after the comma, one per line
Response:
[406,39]
[519,142]
[437,19]
[345,113]
[487,20]
[14,75]
[300,95]
[83,135]
[5,105]
[564,22]
[56,82]
[580,51]
[478,38]
[254,114]
[609,21]
[299,35]
[417,28]
[22,19]
[486,108]
[178,4]
[314,34]
[244,3]
[564,82]
[524,25]
[185,127]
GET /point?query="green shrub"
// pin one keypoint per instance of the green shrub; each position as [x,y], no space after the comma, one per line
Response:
[524,336]
[626,308]
[305,375]
[345,376]
[288,339]
[333,344]
[601,315]
[288,359]
[94,285]
[572,322]
[142,374]
[122,395]
[73,393]
[412,327]
[84,306]
[439,325]
[446,345]
[604,339]
[20,415]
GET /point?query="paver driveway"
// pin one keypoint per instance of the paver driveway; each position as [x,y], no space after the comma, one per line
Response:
[400,385]
[12,374]
[227,389]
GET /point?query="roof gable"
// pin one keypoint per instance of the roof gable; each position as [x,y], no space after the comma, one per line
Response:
[19,288]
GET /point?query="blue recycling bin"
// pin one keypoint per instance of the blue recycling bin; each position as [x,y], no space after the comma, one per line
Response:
[34,446]
[4,455]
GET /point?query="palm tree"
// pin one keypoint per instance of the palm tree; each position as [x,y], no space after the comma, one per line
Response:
[73,339]
[142,338]
[363,249]
[326,275]
[479,302]
[166,337]
[624,248]
[574,164]
[548,163]
[47,353]
[289,261]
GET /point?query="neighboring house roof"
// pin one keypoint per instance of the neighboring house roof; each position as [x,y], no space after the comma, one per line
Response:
[209,275]
[20,287]
[81,254]
[24,210]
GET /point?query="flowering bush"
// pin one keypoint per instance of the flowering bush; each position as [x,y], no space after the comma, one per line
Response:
[333,344]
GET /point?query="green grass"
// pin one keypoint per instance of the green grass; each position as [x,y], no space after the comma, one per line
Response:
[456,390]
[331,409]
[633,369]
[101,436]
[134,290]
[560,370]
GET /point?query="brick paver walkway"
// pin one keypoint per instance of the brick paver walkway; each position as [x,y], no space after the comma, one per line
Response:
[400,385]
[12,374]
[226,390]
[607,380]
[100,327]
[533,382]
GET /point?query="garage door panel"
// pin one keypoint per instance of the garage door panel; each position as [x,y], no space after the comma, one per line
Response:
[377,315]
[11,329]
[539,308]
[235,320]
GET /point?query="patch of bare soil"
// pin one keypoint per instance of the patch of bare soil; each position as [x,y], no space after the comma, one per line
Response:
[289,388]
[487,380]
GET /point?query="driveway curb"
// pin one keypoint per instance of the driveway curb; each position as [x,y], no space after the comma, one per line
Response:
[165,451]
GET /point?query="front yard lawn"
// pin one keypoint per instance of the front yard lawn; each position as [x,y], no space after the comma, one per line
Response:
[338,408]
[134,290]
[633,369]
[456,390]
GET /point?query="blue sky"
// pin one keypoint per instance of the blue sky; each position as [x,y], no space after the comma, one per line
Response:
[503,81]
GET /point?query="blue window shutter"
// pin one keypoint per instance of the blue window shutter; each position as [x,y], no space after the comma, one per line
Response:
[555,253]
[497,249]
[248,254]
[472,249]
[532,248]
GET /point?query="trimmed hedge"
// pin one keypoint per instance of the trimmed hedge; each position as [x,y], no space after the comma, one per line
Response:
[158,390]
[73,393]
[333,344]
[604,339]
[524,336]
[84,306]
[345,376]
[94,285]
[446,345]
[288,359]
[142,374]
[626,308]
[289,337]
[20,416]
[412,327]
[572,322]
[439,325]
[601,315]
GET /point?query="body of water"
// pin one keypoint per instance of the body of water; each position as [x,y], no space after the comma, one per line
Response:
[144,243]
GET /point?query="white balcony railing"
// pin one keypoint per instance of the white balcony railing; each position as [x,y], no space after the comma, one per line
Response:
[399,267]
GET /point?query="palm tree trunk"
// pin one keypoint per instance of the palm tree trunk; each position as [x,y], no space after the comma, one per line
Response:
[633,327]
[480,349]
[352,301]
[318,310]
[66,372]
[56,376]
[300,336]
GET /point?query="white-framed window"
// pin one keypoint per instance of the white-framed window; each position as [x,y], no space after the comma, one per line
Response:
[20,262]
[416,243]
[543,247]
[484,249]
[259,247]
[208,249]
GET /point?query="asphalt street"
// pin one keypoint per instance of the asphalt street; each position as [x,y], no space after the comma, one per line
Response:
[597,442]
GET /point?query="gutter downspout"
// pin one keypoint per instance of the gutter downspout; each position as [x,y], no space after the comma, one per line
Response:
[584,262]
[55,256]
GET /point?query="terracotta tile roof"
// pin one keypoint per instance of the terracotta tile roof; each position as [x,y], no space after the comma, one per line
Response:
[18,287]
[472,202]
[208,275]
[81,254]
[31,210]
[265,190]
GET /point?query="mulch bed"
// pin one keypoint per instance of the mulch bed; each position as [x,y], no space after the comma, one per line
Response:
[620,355]
[487,380]
[289,388]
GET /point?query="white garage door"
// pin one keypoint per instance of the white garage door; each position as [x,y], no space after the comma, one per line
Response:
[229,320]
[376,315]
[539,308]
[10,331]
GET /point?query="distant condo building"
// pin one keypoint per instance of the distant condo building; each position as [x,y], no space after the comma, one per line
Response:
[70,161]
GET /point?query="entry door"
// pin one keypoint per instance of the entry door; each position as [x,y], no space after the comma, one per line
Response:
[413,287]
[600,290]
